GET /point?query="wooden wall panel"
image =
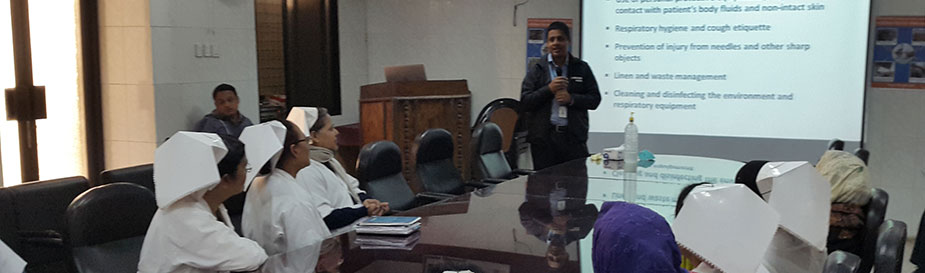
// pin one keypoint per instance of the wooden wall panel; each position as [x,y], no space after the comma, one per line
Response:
[371,116]
[271,68]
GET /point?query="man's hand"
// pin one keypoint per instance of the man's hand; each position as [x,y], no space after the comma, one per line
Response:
[558,84]
[563,98]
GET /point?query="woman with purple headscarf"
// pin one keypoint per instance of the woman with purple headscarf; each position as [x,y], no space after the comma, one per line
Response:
[629,238]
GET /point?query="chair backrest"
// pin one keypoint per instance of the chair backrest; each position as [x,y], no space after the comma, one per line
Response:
[379,171]
[434,162]
[918,251]
[32,220]
[890,246]
[505,112]
[489,110]
[863,154]
[491,161]
[107,225]
[876,212]
[141,175]
[842,262]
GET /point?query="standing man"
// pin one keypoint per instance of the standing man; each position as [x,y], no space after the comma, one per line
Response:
[556,96]
[225,119]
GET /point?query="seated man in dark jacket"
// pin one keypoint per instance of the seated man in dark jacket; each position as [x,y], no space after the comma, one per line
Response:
[225,119]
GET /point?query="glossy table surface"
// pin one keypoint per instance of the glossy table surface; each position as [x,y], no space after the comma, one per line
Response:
[536,223]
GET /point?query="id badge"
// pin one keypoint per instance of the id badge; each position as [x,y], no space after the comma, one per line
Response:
[563,112]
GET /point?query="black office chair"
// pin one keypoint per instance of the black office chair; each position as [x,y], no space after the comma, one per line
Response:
[107,226]
[434,164]
[32,221]
[505,112]
[379,172]
[836,144]
[890,245]
[863,154]
[841,262]
[918,251]
[490,160]
[876,212]
[142,175]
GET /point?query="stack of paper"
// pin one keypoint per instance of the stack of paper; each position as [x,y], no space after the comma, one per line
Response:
[388,242]
[389,225]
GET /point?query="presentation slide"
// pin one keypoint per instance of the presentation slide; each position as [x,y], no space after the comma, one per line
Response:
[744,69]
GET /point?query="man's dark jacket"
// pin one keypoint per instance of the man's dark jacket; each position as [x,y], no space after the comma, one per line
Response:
[536,99]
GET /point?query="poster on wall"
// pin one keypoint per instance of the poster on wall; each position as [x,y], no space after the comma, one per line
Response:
[536,37]
[899,52]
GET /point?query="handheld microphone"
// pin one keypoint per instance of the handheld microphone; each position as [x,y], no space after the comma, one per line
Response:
[563,111]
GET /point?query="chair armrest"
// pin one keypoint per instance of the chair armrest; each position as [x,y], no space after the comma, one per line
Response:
[476,184]
[436,195]
[44,242]
[43,238]
[493,180]
[427,198]
[523,171]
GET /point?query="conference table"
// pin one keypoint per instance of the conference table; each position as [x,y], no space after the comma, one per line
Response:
[537,223]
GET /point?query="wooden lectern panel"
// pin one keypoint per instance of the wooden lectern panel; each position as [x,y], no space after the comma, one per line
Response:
[401,111]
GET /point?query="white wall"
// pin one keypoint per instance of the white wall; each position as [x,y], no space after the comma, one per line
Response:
[351,23]
[127,83]
[455,39]
[895,135]
[183,83]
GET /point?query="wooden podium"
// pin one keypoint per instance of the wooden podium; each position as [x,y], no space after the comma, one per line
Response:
[401,111]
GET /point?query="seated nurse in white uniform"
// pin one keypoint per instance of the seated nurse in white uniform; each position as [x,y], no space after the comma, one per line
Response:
[336,194]
[802,198]
[277,213]
[191,231]
[724,228]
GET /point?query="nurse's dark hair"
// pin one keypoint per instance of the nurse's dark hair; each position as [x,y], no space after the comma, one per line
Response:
[748,175]
[292,136]
[683,195]
[322,116]
[229,164]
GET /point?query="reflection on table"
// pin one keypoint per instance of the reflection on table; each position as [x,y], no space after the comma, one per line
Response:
[667,168]
[538,223]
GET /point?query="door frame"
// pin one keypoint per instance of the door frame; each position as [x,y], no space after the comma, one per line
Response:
[88,23]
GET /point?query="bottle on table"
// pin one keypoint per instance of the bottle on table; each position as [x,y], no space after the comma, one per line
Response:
[631,144]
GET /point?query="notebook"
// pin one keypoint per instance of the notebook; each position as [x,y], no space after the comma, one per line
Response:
[388,230]
[390,221]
